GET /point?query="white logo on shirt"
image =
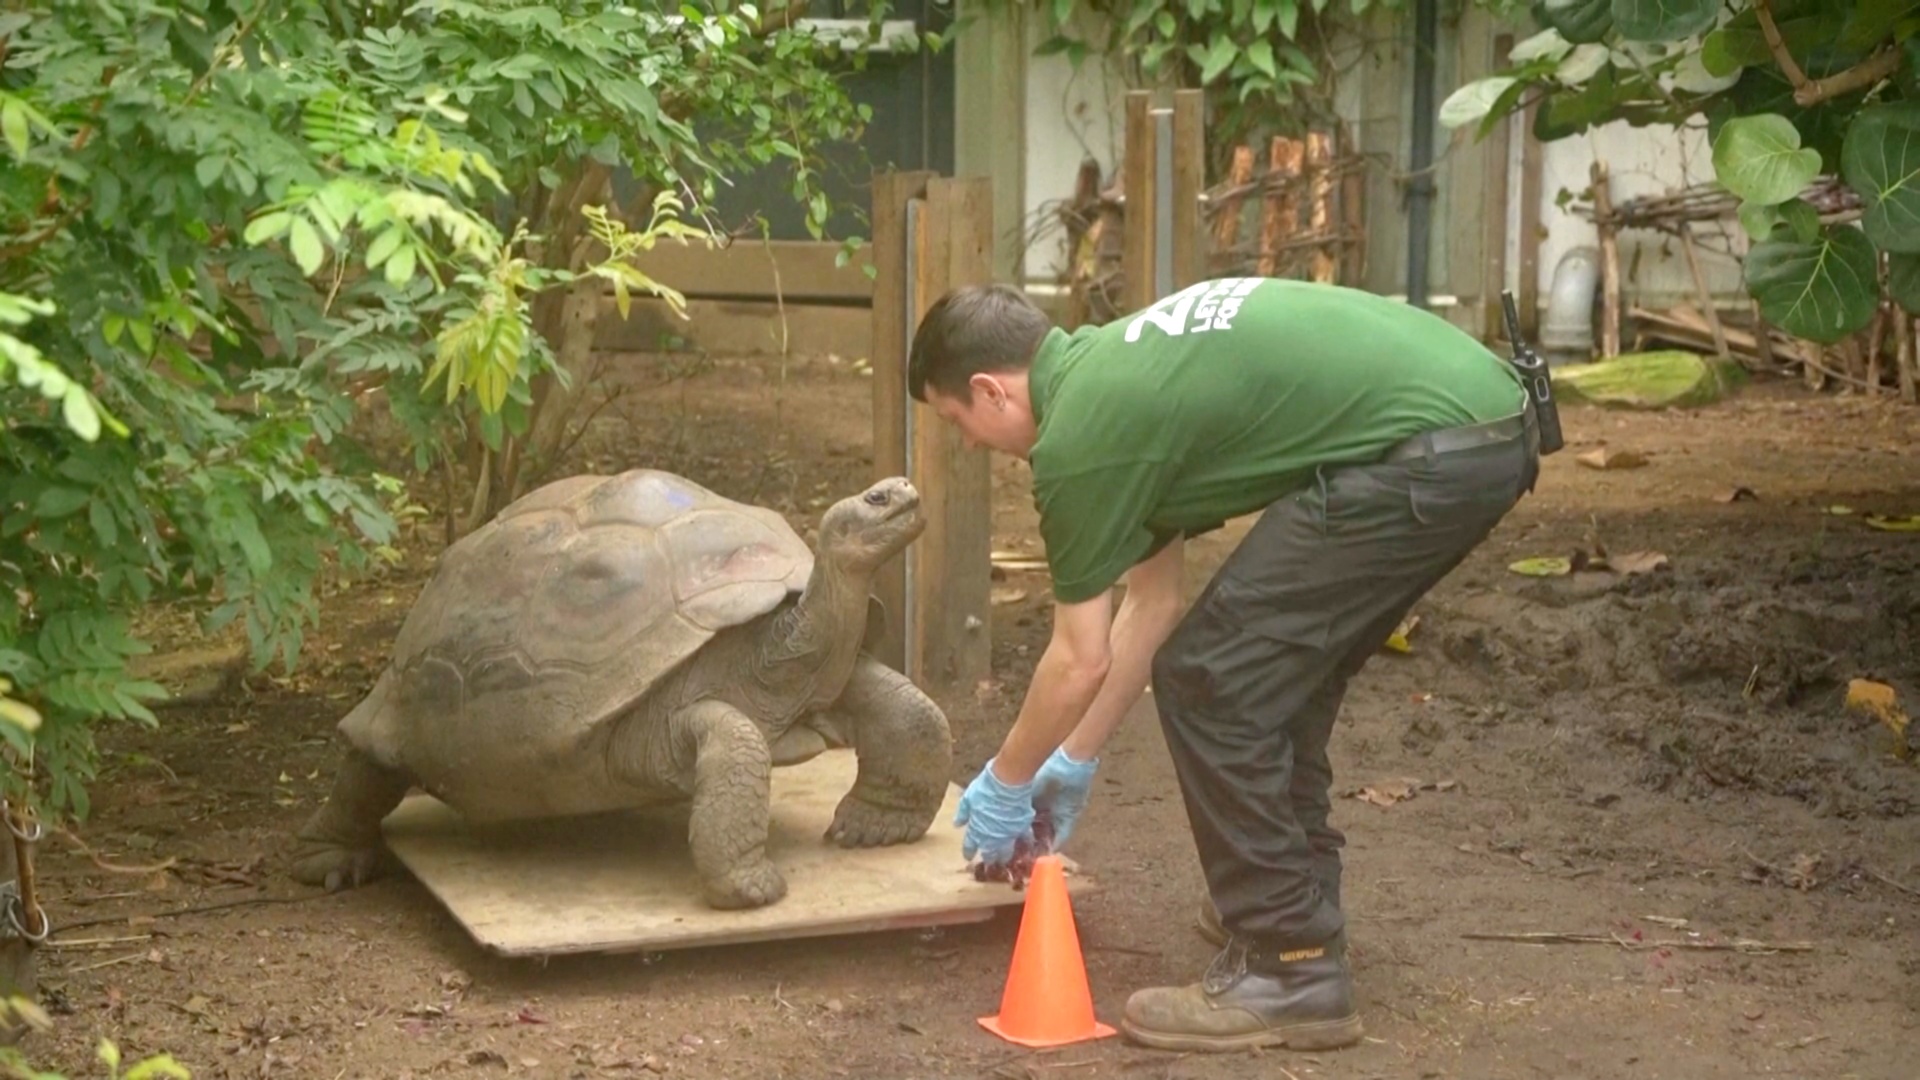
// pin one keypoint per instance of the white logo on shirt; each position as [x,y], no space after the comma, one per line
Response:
[1211,305]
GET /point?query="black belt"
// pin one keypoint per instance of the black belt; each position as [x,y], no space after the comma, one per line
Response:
[1471,437]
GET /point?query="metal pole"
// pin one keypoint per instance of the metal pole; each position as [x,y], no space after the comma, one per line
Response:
[1162,203]
[911,264]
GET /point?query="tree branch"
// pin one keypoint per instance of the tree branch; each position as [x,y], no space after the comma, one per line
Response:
[1763,10]
[1858,77]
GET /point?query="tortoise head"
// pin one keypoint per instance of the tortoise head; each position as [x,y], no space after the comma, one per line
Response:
[862,531]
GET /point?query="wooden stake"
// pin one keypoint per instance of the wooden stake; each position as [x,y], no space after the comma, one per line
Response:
[1903,335]
[1226,220]
[1609,263]
[1706,294]
[1320,217]
[1353,225]
[1281,218]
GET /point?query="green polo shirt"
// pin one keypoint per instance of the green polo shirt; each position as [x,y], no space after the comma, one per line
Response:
[1222,398]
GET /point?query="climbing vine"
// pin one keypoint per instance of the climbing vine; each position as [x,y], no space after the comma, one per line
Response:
[1266,64]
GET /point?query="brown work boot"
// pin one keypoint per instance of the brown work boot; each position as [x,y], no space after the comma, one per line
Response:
[1298,998]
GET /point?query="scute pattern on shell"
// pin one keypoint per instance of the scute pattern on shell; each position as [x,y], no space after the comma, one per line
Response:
[564,610]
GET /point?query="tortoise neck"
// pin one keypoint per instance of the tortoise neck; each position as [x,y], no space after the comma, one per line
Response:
[816,639]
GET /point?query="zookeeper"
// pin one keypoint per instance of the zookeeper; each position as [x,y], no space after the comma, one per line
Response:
[1378,443]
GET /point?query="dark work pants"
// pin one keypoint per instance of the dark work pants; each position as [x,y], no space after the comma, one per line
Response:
[1250,681]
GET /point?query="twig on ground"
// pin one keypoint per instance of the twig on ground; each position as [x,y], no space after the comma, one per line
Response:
[1739,945]
[95,942]
[197,909]
[1885,880]
[129,958]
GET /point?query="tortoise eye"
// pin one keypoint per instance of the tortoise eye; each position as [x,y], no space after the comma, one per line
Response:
[876,498]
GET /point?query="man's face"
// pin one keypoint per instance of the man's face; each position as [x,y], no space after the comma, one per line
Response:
[997,418]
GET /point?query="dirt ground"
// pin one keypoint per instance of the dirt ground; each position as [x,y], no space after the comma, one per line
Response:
[1594,754]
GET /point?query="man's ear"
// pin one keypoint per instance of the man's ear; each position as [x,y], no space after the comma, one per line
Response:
[989,387]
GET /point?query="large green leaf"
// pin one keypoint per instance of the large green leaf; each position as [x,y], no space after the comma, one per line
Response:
[1881,161]
[1821,291]
[1872,20]
[1662,20]
[1760,159]
[1903,281]
[1762,219]
[1581,22]
[1741,43]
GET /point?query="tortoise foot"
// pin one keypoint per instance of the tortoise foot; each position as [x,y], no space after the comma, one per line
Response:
[858,823]
[753,885]
[337,866]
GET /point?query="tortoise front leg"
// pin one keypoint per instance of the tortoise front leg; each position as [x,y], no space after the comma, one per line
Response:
[732,772]
[340,844]
[905,750]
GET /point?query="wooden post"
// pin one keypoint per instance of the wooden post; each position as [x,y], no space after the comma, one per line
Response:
[893,328]
[1320,216]
[1353,215]
[948,641]
[1532,166]
[1493,210]
[1189,179]
[1609,263]
[1141,192]
[931,234]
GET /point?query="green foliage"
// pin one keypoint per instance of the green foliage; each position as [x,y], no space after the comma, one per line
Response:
[224,229]
[1791,90]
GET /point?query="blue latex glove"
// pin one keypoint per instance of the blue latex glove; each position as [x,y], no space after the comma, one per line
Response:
[1061,788]
[996,815]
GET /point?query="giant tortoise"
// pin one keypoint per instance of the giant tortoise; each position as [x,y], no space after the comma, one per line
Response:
[613,642]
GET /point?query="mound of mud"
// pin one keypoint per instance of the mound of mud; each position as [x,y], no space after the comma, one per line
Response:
[1721,674]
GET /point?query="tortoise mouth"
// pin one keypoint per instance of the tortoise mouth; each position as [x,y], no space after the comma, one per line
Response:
[901,507]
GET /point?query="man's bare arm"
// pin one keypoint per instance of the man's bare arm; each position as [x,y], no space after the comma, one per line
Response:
[1065,682]
[1148,614]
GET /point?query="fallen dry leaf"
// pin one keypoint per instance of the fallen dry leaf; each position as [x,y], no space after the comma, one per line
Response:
[1878,700]
[1636,562]
[1903,523]
[1802,874]
[1008,596]
[1399,789]
[1736,494]
[1397,641]
[1547,566]
[1607,458]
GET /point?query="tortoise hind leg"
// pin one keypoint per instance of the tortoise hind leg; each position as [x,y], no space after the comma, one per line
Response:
[905,751]
[340,844]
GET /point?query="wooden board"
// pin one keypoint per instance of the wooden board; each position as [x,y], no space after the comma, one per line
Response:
[615,885]
[735,328]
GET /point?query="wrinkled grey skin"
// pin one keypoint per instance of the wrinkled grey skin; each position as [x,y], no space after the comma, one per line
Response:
[617,642]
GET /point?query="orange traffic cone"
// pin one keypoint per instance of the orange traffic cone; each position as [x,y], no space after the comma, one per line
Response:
[1046,1001]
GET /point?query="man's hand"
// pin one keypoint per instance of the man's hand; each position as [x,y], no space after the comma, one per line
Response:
[1062,789]
[996,815]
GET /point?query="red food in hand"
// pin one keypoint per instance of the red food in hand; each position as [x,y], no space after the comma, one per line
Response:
[1025,851]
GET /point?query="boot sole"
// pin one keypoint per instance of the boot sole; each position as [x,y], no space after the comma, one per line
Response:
[1322,1035]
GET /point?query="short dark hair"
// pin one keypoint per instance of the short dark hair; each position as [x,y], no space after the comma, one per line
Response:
[972,329]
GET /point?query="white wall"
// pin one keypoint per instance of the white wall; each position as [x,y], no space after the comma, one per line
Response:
[1641,161]
[1071,112]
